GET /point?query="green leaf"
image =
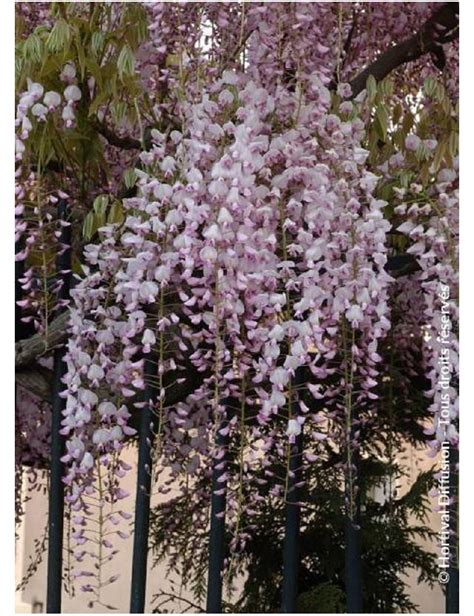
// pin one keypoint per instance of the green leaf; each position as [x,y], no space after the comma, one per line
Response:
[126,62]
[41,31]
[100,204]
[439,156]
[381,122]
[96,218]
[405,178]
[116,214]
[453,144]
[387,87]
[81,56]
[422,152]
[88,228]
[33,48]
[429,86]
[59,36]
[136,23]
[397,113]
[371,87]
[19,63]
[129,178]
[119,111]
[97,43]
[323,598]
[398,139]
[439,92]
[446,106]
[407,122]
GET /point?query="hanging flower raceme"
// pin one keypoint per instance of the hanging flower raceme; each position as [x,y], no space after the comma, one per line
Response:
[432,228]
[240,252]
[242,292]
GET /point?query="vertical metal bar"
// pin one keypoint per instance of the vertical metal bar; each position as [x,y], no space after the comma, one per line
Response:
[353,566]
[56,492]
[292,531]
[292,521]
[452,589]
[217,528]
[352,553]
[146,439]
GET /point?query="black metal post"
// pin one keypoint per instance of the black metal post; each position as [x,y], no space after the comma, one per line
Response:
[56,491]
[452,589]
[292,521]
[146,439]
[353,576]
[352,554]
[217,529]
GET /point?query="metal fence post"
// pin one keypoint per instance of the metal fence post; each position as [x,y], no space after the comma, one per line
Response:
[56,491]
[217,528]
[292,521]
[452,589]
[146,440]
[352,553]
[353,576]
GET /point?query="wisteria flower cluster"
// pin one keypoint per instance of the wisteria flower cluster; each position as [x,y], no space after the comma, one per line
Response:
[238,282]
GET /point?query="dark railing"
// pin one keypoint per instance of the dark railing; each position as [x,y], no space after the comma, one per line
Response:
[452,588]
[352,528]
[292,514]
[217,525]
[217,538]
[56,488]
[146,439]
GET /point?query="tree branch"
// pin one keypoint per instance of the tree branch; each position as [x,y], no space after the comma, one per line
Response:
[37,381]
[402,265]
[441,28]
[30,349]
[126,143]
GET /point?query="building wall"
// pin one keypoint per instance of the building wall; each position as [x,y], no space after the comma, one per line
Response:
[33,597]
[430,600]
[117,594]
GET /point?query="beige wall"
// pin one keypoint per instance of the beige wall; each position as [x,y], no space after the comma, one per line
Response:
[117,594]
[429,600]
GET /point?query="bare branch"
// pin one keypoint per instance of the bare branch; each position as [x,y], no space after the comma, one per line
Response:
[125,143]
[30,349]
[441,28]
[37,381]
